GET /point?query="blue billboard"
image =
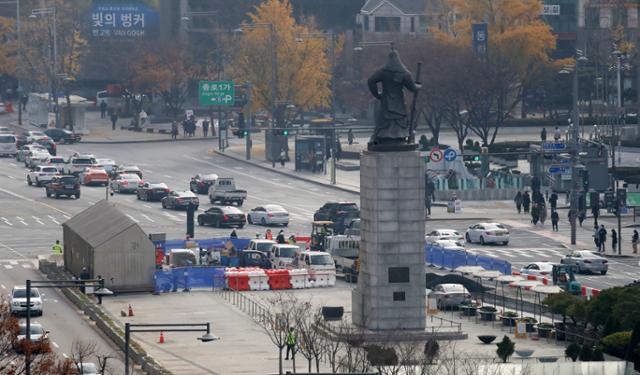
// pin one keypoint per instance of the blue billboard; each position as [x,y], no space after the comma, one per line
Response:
[122,20]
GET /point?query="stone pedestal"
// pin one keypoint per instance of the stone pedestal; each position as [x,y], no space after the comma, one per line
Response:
[390,294]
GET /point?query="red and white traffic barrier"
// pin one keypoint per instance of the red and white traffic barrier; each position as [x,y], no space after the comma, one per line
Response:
[589,292]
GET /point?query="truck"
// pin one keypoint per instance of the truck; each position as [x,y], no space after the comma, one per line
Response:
[345,253]
[224,190]
[253,258]
[261,245]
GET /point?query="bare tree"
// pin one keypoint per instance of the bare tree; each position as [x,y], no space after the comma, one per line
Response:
[309,334]
[284,310]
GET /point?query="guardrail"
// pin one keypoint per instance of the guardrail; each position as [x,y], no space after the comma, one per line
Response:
[258,312]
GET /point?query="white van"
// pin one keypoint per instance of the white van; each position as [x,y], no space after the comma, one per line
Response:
[8,145]
[315,261]
[283,255]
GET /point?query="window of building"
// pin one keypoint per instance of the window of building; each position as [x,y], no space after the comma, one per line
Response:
[424,25]
[387,24]
[413,25]
[632,17]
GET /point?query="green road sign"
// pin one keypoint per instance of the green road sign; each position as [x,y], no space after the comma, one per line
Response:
[216,93]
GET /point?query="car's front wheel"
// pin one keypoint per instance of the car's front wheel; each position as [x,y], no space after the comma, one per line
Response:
[481,240]
[249,219]
[603,272]
[467,237]
[29,181]
[200,221]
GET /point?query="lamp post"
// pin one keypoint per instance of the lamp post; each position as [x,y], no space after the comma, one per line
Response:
[170,327]
[35,13]
[615,141]
[100,292]
[330,38]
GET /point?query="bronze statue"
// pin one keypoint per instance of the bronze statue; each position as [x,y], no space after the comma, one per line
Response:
[391,125]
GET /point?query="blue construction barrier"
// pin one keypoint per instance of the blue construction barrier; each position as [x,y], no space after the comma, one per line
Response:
[180,278]
[452,259]
[204,243]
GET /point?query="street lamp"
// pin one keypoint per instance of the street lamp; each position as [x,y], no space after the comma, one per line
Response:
[615,139]
[35,13]
[100,292]
[330,38]
[170,327]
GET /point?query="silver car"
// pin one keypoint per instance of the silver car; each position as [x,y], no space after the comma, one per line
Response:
[269,214]
[450,295]
[586,261]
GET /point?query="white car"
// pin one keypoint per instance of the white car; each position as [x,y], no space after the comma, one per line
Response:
[587,261]
[19,300]
[109,165]
[451,245]
[24,150]
[443,234]
[35,135]
[4,129]
[269,214]
[487,233]
[538,269]
[8,144]
[41,174]
[58,162]
[78,162]
[450,295]
[126,183]
[127,169]
[36,157]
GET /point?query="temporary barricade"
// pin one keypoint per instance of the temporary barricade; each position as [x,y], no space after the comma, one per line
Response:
[452,259]
[237,278]
[299,278]
[324,278]
[279,279]
[258,280]
[173,279]
[204,243]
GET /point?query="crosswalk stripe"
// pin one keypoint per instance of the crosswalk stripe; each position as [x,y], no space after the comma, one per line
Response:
[54,219]
[37,219]
[26,265]
[13,262]
[133,218]
[6,221]
[8,266]
[148,218]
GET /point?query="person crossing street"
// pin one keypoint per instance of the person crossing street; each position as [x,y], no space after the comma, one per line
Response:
[292,340]
[57,248]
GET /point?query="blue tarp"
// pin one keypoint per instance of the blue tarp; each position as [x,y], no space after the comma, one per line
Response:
[181,278]
[452,259]
[205,243]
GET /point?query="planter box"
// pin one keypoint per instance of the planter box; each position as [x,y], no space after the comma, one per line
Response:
[544,332]
[487,316]
[530,327]
[468,311]
[508,321]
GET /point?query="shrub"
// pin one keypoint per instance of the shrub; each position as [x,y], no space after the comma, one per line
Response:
[506,348]
[597,355]
[616,343]
[510,314]
[431,350]
[572,351]
[585,353]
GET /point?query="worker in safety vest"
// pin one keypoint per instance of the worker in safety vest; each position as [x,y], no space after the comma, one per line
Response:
[292,340]
[57,248]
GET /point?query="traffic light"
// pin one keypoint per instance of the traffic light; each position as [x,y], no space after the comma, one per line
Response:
[285,132]
[621,197]
[476,157]
[609,201]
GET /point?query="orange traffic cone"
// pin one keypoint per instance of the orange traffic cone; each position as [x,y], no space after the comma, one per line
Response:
[161,338]
[130,311]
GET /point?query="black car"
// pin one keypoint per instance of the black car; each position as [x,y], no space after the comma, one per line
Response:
[153,192]
[200,183]
[341,213]
[222,217]
[63,185]
[63,135]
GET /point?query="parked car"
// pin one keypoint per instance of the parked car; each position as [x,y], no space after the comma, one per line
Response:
[63,185]
[283,255]
[443,234]
[4,129]
[108,164]
[315,261]
[127,169]
[538,269]
[8,145]
[219,217]
[25,149]
[37,336]
[269,214]
[200,183]
[224,190]
[452,245]
[58,162]
[450,295]
[340,213]
[63,135]
[36,157]
[78,162]
[94,176]
[41,174]
[180,200]
[587,261]
[487,233]
[126,183]
[18,300]
[153,192]
[34,135]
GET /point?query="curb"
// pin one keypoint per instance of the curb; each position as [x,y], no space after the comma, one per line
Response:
[145,141]
[324,184]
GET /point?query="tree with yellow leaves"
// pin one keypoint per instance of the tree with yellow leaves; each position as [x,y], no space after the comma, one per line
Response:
[8,47]
[302,62]
[519,44]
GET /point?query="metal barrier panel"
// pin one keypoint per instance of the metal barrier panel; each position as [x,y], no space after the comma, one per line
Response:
[188,278]
[453,259]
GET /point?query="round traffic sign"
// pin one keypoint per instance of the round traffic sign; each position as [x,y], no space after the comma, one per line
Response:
[450,154]
[436,155]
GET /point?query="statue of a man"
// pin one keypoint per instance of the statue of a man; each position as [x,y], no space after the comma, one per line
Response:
[391,126]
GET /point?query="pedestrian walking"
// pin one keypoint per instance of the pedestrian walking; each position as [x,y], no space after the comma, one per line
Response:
[557,134]
[581,217]
[595,211]
[174,130]
[143,118]
[526,202]
[103,109]
[268,235]
[114,119]
[292,340]
[280,237]
[427,201]
[602,238]
[634,241]
[543,135]
[553,201]
[283,157]
[518,201]
[542,212]
[24,100]
[350,137]
[233,234]
[614,240]
[535,214]
[205,127]
[596,238]
[554,220]
[57,248]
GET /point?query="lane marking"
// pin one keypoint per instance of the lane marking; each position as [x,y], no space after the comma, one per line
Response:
[148,218]
[13,164]
[133,218]
[2,286]
[13,250]
[147,206]
[66,216]
[7,266]
[13,262]
[26,265]
[65,355]
[6,221]
[54,219]
[37,219]
[11,177]
[167,176]
[19,196]
[55,344]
